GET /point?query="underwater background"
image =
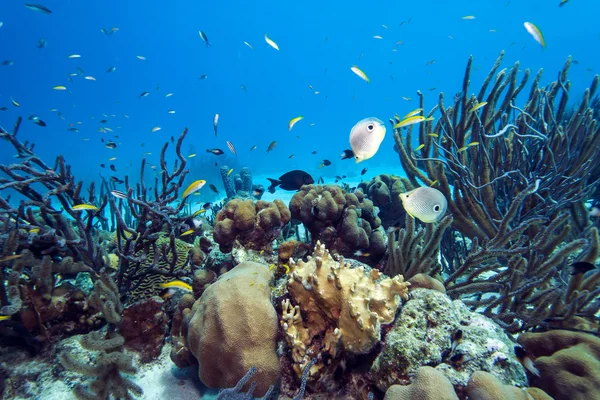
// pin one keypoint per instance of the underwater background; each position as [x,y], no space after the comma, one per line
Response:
[319,42]
[106,84]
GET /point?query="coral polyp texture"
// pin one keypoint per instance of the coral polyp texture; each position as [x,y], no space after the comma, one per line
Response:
[338,309]
[384,190]
[254,225]
[231,328]
[344,222]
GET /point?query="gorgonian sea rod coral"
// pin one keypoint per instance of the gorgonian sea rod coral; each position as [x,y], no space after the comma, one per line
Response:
[483,150]
[516,180]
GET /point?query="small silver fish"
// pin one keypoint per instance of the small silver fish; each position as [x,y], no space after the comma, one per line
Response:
[204,38]
[216,123]
[425,204]
[366,137]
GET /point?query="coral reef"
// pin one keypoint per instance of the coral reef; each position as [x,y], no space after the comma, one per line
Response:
[240,185]
[428,384]
[384,191]
[530,282]
[109,362]
[144,326]
[568,363]
[41,227]
[338,309]
[416,251]
[422,334]
[254,225]
[485,386]
[345,222]
[510,149]
[231,328]
[156,267]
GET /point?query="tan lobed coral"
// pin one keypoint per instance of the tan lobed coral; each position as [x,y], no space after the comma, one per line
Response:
[428,384]
[254,225]
[344,222]
[345,306]
[485,386]
[231,328]
[568,363]
[384,190]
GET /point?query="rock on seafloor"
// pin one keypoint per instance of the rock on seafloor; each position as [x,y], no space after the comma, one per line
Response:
[144,326]
[422,335]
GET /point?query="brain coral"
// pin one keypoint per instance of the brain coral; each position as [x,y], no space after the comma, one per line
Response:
[339,308]
[344,222]
[255,226]
[233,327]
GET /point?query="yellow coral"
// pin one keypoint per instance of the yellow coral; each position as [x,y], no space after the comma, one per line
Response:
[344,304]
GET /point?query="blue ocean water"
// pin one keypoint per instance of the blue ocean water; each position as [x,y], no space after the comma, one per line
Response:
[319,42]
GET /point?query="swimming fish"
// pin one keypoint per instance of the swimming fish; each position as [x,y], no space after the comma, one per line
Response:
[41,43]
[229,172]
[111,69]
[360,73]
[36,120]
[118,194]
[216,152]
[80,207]
[216,124]
[176,285]
[204,38]
[194,187]
[325,163]
[412,120]
[581,267]
[231,147]
[248,44]
[425,204]
[478,106]
[292,180]
[213,188]
[271,43]
[366,137]
[293,122]
[271,146]
[188,232]
[253,148]
[562,3]
[346,154]
[535,32]
[526,360]
[39,8]
[156,129]
[11,257]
